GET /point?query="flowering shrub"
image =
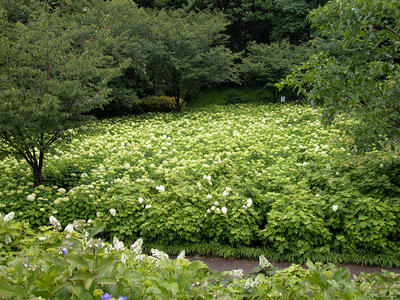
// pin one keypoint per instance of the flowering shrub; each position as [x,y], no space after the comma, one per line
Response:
[245,175]
[75,264]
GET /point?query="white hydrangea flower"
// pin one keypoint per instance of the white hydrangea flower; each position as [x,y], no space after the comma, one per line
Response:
[159,254]
[127,166]
[140,200]
[335,207]
[136,247]
[140,257]
[264,263]
[147,206]
[224,210]
[209,196]
[62,191]
[118,245]
[31,197]
[160,188]
[69,228]
[182,254]
[236,273]
[252,283]
[56,224]
[124,258]
[249,202]
[9,216]
[113,212]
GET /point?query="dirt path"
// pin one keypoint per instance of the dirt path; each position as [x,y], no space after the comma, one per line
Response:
[221,264]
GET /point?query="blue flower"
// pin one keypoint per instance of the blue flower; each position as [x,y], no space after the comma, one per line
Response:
[71,243]
[123,297]
[65,251]
[106,296]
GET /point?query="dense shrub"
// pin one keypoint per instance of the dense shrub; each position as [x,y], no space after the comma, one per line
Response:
[158,104]
[76,264]
[244,175]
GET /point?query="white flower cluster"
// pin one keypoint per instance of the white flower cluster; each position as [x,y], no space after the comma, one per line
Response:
[248,204]
[182,254]
[236,273]
[224,210]
[160,188]
[157,254]
[208,178]
[113,212]
[9,216]
[252,283]
[264,263]
[136,247]
[225,193]
[118,245]
[56,224]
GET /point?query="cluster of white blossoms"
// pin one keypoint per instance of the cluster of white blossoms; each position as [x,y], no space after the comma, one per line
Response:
[208,178]
[160,188]
[335,207]
[248,204]
[252,283]
[118,245]
[182,255]
[136,247]
[236,273]
[9,216]
[264,263]
[213,208]
[31,197]
[56,224]
[113,212]
[157,254]
[225,193]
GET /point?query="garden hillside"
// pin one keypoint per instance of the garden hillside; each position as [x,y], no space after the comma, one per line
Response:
[260,176]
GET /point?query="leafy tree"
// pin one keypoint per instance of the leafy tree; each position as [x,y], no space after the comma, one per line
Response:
[364,81]
[187,52]
[267,64]
[52,72]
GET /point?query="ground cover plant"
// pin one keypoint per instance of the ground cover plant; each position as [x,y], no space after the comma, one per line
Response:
[73,263]
[239,175]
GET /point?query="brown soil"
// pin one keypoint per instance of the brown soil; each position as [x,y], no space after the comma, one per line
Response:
[221,264]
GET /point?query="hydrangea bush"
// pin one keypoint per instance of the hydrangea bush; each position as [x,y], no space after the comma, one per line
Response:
[255,175]
[75,264]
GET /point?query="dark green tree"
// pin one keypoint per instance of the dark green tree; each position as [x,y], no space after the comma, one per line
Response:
[364,81]
[52,72]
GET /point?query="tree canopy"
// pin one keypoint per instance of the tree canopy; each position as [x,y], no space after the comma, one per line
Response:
[52,73]
[363,79]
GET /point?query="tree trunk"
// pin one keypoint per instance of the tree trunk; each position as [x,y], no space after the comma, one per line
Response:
[37,175]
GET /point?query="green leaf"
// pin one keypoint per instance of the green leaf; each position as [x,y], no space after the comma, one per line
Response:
[81,293]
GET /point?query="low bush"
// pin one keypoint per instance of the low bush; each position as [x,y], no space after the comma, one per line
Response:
[76,264]
[158,104]
[261,176]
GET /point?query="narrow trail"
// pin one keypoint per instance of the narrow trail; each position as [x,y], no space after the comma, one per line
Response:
[223,264]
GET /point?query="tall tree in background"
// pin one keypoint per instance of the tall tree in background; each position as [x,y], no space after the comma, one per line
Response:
[363,82]
[52,72]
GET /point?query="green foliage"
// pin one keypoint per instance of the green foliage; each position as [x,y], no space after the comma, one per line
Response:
[50,78]
[76,264]
[267,64]
[175,178]
[362,81]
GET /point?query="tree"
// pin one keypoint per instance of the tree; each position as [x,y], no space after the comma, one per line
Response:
[364,81]
[267,64]
[52,72]
[187,50]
